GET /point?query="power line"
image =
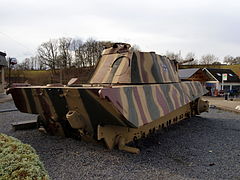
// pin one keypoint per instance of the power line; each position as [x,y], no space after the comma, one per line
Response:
[20,44]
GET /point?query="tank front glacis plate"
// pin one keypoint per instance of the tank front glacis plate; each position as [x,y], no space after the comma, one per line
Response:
[55,103]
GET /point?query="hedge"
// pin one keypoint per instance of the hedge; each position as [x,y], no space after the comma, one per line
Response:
[19,161]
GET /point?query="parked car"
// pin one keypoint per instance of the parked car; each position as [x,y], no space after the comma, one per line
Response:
[13,61]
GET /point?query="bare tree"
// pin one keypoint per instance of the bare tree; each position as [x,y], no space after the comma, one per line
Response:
[216,63]
[208,59]
[79,56]
[237,60]
[174,56]
[31,63]
[231,60]
[189,56]
[75,46]
[68,52]
[48,53]
[25,65]
[135,47]
[64,57]
[88,53]
[228,59]
[40,64]
[92,51]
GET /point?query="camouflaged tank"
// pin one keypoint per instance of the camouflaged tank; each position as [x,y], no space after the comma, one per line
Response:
[130,95]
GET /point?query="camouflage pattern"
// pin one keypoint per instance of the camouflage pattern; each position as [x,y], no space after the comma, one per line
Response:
[130,67]
[128,89]
[130,106]
[143,104]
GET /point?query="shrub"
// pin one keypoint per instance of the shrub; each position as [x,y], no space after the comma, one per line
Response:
[19,161]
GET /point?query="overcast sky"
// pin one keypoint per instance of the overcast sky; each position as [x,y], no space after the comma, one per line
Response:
[199,26]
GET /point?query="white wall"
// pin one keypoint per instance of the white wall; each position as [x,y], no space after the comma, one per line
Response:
[230,84]
[219,84]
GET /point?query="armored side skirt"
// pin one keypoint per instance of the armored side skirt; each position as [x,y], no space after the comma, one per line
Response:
[119,136]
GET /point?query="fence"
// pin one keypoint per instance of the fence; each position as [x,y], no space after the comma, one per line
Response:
[43,77]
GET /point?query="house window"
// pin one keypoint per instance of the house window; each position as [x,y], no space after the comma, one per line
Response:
[236,87]
[226,88]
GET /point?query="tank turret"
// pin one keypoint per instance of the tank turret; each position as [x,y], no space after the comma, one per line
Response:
[121,65]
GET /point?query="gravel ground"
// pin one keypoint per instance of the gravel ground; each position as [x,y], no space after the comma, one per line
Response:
[205,147]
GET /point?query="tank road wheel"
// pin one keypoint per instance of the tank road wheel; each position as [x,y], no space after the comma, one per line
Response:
[193,108]
[113,137]
[202,106]
[41,124]
[69,131]
[198,106]
[58,128]
[49,126]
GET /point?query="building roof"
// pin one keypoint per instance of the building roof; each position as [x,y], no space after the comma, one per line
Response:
[187,73]
[3,61]
[217,73]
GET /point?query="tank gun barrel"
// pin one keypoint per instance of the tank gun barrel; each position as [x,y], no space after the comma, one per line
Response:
[186,61]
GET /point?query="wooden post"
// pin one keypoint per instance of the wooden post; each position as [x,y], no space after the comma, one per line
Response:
[2,79]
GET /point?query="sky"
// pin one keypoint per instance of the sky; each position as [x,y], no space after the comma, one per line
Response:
[198,26]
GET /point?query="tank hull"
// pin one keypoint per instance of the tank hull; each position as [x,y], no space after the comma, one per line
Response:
[65,109]
[129,95]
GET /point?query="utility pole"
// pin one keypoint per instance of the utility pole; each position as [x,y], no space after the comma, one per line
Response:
[11,62]
[9,71]
[222,81]
[61,76]
[224,78]
[180,53]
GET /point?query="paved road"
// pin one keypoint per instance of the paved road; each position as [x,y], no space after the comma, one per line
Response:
[205,147]
[5,98]
[220,103]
